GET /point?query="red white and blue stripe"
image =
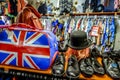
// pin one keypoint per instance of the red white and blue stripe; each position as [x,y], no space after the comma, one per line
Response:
[26,49]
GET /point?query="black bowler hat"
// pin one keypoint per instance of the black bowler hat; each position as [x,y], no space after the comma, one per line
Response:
[78,40]
[99,8]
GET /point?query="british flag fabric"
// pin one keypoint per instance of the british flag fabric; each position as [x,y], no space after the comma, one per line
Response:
[29,49]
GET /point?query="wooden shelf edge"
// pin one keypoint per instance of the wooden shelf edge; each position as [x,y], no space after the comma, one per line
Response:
[94,13]
[6,67]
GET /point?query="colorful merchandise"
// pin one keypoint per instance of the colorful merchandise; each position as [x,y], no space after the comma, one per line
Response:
[26,47]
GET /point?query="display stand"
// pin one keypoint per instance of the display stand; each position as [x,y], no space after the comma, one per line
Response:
[18,71]
[37,74]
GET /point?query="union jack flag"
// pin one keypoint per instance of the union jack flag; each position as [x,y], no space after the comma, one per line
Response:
[25,49]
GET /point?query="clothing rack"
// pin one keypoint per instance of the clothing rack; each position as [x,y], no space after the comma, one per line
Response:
[88,14]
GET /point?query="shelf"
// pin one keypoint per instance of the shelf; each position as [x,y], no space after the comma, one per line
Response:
[48,72]
[94,13]
[103,13]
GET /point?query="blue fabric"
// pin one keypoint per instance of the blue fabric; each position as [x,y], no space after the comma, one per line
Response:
[89,25]
[49,9]
[60,26]
[102,38]
[55,23]
[110,7]
[105,34]
[67,27]
[112,30]
[114,65]
[99,2]
[2,22]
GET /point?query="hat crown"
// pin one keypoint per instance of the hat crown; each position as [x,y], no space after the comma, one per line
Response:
[79,35]
[78,39]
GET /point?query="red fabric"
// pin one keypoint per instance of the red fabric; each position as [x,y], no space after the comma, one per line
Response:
[9,10]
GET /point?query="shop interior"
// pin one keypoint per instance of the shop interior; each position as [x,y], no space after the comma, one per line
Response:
[60,39]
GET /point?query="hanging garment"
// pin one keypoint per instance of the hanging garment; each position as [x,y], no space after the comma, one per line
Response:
[99,32]
[78,24]
[42,9]
[71,26]
[13,7]
[112,30]
[80,6]
[106,33]
[48,25]
[89,26]
[30,16]
[117,34]
[67,25]
[85,24]
[82,24]
[49,8]
[93,5]
[109,7]
[102,30]
[86,5]
[106,3]
[116,3]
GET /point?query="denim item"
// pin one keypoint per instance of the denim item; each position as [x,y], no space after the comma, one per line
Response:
[55,23]
[110,7]
[106,33]
[102,36]
[116,4]
[60,26]
[89,26]
[112,30]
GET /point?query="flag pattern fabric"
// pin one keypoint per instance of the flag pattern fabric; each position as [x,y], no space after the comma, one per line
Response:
[29,49]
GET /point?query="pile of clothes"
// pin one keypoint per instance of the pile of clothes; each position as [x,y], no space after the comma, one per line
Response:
[111,63]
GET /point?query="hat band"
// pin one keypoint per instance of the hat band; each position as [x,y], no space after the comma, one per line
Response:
[79,44]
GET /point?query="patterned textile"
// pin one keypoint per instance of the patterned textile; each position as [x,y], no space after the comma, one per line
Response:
[27,48]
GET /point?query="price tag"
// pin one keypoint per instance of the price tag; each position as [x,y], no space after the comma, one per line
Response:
[94,31]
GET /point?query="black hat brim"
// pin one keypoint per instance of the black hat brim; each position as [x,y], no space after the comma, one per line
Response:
[79,47]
